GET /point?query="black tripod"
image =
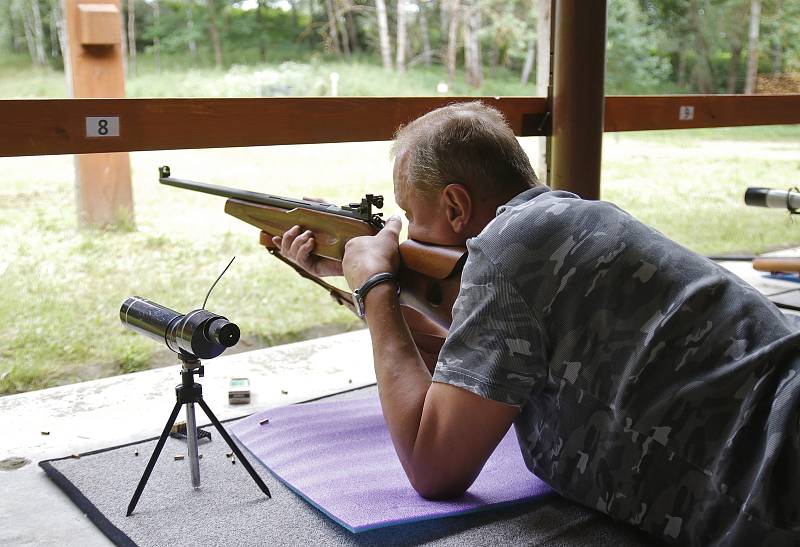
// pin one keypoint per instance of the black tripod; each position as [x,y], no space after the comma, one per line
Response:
[187,393]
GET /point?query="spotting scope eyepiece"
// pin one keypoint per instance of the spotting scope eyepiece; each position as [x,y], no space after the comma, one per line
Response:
[199,333]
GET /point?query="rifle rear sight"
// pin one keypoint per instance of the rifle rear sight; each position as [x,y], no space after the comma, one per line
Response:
[364,209]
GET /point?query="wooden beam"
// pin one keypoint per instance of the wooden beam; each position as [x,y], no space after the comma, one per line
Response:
[58,126]
[95,69]
[579,52]
[639,113]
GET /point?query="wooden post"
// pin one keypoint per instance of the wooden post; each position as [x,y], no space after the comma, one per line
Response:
[94,68]
[578,72]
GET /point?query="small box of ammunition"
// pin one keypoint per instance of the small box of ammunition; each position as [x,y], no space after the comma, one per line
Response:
[239,391]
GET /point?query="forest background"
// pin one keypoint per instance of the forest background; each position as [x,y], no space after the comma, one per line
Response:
[654,46]
[63,282]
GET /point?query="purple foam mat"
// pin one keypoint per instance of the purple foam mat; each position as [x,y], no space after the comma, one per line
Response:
[339,457]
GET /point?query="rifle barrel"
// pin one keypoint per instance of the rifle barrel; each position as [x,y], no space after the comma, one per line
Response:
[257,197]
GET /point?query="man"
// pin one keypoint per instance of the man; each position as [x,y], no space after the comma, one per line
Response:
[643,380]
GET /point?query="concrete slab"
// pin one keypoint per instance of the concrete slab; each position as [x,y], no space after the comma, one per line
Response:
[113,411]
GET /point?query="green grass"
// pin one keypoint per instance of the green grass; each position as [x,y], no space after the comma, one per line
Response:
[692,188]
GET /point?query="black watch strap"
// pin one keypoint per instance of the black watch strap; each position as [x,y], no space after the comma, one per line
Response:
[361,293]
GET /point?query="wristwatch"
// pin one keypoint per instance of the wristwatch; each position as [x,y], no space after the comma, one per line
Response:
[361,293]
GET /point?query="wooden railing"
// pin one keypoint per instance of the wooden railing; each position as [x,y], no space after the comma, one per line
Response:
[59,126]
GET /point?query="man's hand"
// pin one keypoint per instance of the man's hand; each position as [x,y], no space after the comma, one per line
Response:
[297,246]
[368,255]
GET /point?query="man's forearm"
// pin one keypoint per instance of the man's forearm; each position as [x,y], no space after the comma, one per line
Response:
[403,378]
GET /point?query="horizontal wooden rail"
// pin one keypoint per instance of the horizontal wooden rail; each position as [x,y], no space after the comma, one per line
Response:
[643,112]
[81,126]
[60,126]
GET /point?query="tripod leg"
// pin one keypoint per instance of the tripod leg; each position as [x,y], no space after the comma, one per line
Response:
[234,448]
[153,459]
[191,438]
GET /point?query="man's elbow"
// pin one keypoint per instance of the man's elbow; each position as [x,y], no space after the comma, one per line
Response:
[437,486]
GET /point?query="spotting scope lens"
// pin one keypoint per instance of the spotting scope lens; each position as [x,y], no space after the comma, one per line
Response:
[756,197]
[199,333]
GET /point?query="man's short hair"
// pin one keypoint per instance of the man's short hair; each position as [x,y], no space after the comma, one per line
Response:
[464,143]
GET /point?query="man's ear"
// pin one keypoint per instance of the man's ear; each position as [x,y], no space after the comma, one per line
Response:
[458,205]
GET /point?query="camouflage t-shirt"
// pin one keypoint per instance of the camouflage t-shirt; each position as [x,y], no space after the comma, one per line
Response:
[653,385]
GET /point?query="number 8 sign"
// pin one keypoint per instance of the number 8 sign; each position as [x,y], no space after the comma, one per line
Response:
[102,126]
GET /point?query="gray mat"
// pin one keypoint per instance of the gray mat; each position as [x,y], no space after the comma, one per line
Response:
[229,509]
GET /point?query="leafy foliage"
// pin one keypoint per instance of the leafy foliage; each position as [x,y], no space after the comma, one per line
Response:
[653,45]
[633,62]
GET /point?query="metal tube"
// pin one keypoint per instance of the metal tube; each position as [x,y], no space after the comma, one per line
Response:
[191,437]
[776,199]
[261,199]
[578,96]
[149,318]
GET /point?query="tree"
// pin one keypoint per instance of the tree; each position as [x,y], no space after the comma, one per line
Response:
[752,48]
[57,47]
[333,33]
[452,40]
[633,63]
[213,30]
[424,32]
[10,27]
[342,28]
[190,31]
[53,20]
[730,15]
[38,33]
[383,32]
[536,44]
[262,32]
[157,34]
[350,24]
[781,28]
[542,47]
[132,36]
[30,14]
[702,74]
[33,32]
[444,17]
[472,43]
[777,42]
[401,36]
[527,67]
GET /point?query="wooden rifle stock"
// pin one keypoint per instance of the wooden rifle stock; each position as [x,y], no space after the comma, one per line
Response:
[430,275]
[331,232]
[773,265]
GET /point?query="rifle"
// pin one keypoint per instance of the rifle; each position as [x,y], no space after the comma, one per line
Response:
[430,275]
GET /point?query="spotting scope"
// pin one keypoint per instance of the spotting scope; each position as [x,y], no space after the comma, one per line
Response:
[199,333]
[776,199]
